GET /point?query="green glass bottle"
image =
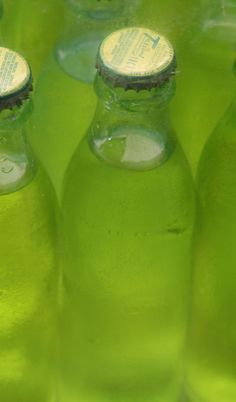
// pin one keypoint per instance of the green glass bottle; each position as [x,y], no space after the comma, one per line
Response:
[87,23]
[28,237]
[59,97]
[205,82]
[128,211]
[55,133]
[212,338]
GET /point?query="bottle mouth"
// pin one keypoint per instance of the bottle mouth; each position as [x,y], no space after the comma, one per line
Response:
[98,9]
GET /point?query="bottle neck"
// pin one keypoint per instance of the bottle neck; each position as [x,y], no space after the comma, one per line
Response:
[132,130]
[146,101]
[17,164]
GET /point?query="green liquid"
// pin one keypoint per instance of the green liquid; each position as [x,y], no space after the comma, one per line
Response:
[126,280]
[31,28]
[212,340]
[28,277]
[205,85]
[60,119]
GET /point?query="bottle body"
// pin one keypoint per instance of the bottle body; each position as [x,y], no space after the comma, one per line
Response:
[211,361]
[206,58]
[122,215]
[29,276]
[28,268]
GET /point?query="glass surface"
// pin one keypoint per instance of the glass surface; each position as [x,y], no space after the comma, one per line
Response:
[28,266]
[126,297]
[212,337]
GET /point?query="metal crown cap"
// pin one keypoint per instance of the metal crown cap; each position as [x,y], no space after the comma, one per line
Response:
[136,58]
[15,79]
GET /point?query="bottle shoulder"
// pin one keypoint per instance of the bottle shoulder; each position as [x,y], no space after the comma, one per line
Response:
[222,141]
[86,155]
[37,194]
[216,176]
[91,183]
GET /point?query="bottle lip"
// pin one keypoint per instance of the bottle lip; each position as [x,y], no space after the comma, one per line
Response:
[16,81]
[136,58]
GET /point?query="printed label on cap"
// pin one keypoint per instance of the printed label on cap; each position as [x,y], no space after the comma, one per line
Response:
[136,52]
[14,72]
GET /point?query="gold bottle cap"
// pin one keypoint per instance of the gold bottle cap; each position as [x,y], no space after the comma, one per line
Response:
[15,78]
[136,58]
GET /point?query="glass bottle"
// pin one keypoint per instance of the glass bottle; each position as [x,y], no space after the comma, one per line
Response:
[205,80]
[28,238]
[212,338]
[87,23]
[56,133]
[128,210]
